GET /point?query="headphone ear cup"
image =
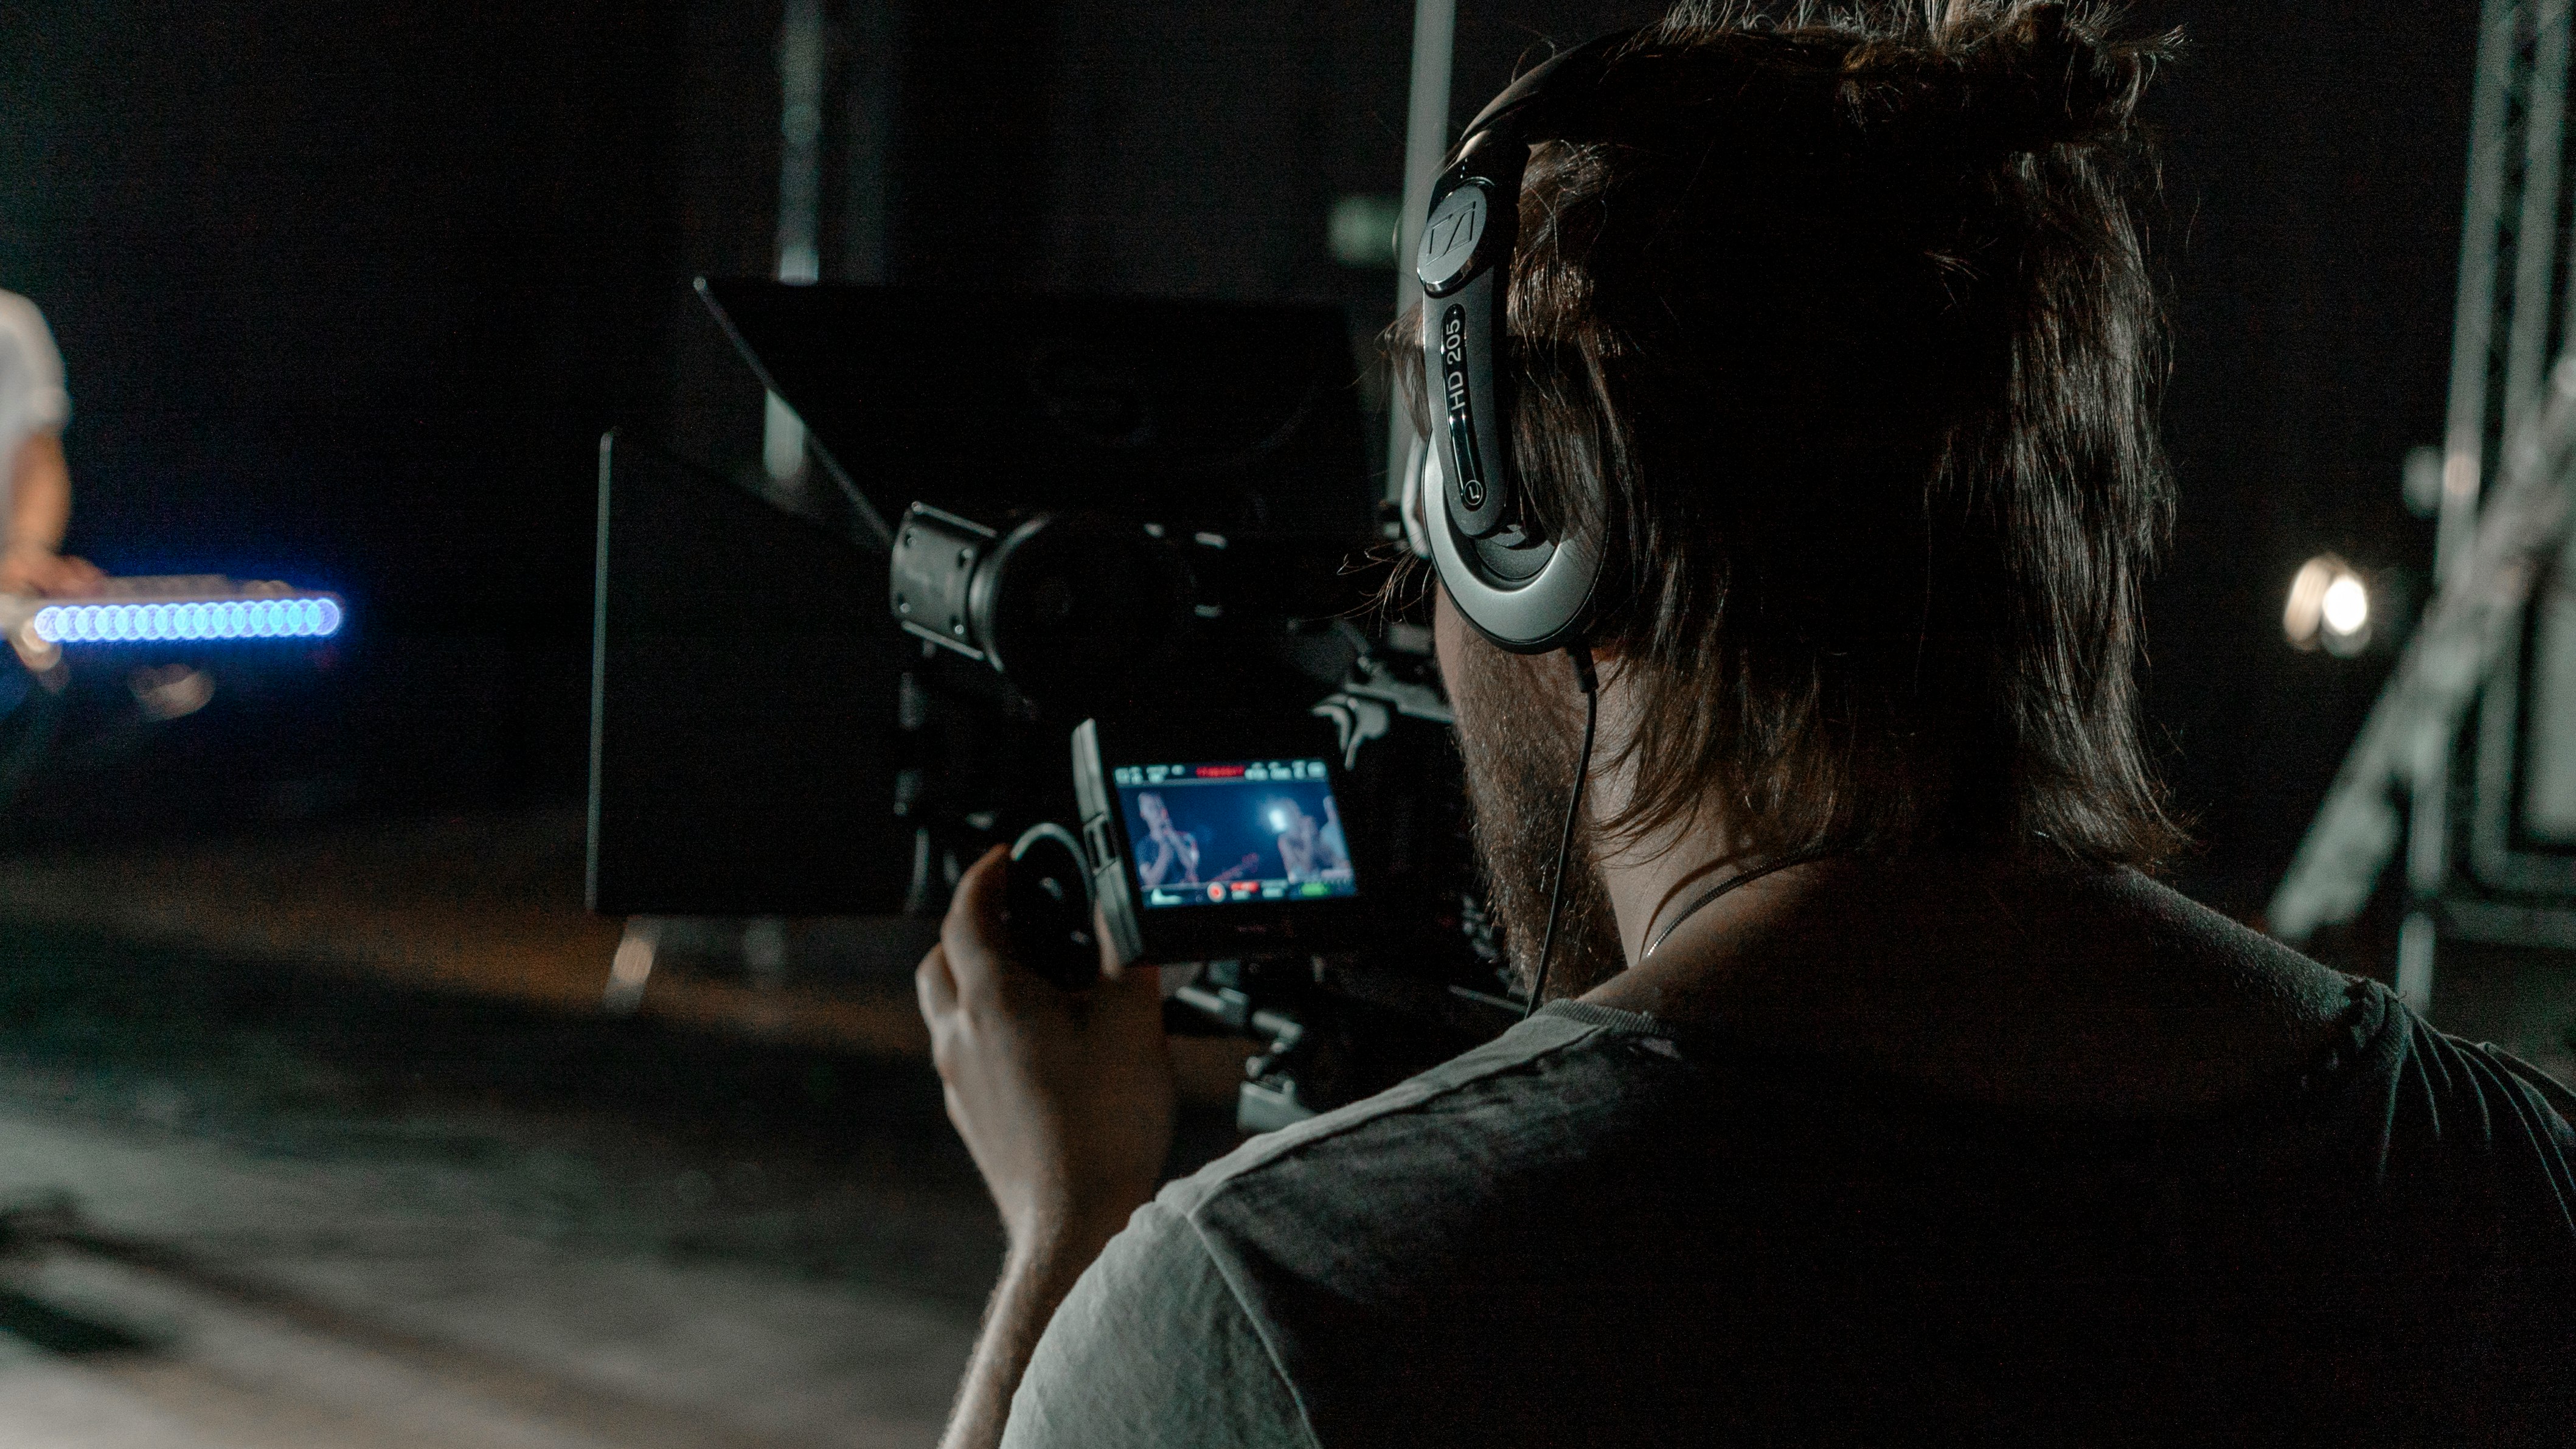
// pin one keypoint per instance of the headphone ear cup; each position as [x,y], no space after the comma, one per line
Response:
[1527,598]
[1422,481]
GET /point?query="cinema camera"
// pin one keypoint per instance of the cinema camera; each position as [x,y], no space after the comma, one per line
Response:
[1118,628]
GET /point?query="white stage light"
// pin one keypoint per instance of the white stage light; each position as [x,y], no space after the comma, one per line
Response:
[2328,608]
[2347,606]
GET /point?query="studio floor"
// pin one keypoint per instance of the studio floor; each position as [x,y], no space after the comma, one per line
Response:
[333,1146]
[264,1208]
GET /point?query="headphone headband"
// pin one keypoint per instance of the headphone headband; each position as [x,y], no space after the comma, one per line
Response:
[1544,87]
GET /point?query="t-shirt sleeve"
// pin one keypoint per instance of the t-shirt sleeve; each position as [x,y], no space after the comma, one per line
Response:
[29,367]
[1154,1347]
[40,366]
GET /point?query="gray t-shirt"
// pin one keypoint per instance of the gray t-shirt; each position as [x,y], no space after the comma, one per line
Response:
[1594,1231]
[32,399]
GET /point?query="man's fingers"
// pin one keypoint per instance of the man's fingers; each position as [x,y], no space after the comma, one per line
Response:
[1110,967]
[1136,989]
[972,934]
[937,989]
[1135,986]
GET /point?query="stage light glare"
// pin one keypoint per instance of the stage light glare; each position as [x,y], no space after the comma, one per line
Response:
[2328,608]
[2346,606]
[49,624]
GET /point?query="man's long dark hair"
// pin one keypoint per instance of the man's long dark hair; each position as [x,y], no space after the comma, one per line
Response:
[1835,327]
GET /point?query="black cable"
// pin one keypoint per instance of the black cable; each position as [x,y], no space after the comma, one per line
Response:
[1585,680]
[1709,896]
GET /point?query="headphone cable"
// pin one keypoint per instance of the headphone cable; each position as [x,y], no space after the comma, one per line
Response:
[1590,684]
[1710,896]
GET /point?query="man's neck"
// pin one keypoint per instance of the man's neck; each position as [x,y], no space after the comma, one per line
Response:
[1675,937]
[1996,980]
[2000,979]
[1653,883]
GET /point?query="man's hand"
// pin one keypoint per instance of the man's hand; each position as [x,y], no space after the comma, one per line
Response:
[1064,1098]
[40,504]
[1065,1101]
[29,569]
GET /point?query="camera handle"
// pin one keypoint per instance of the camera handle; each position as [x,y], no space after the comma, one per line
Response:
[1046,905]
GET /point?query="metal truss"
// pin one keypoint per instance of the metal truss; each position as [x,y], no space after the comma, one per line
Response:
[2506,463]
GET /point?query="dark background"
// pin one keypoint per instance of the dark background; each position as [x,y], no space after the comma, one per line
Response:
[347,294]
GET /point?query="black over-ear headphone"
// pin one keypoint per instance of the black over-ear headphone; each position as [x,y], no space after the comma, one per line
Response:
[1524,590]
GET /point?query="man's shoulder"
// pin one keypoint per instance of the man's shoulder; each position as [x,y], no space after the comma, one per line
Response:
[1421,1159]
[1204,1321]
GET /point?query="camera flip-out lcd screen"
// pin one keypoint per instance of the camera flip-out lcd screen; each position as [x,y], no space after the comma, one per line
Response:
[1234,831]
[1221,839]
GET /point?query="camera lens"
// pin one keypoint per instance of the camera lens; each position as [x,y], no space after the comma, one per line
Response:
[1070,611]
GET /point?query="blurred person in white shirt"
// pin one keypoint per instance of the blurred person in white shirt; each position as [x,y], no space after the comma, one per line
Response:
[35,481]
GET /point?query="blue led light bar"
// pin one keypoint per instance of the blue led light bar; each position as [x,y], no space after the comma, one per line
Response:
[210,619]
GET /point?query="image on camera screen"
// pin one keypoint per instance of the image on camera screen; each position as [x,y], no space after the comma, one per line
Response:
[1234,831]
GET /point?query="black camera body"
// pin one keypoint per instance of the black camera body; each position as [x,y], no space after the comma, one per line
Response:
[1118,630]
[1295,860]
